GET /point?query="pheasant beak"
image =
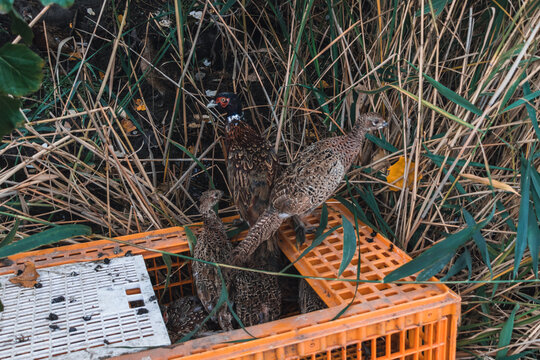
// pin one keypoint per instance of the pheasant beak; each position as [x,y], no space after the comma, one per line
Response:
[212,104]
[380,124]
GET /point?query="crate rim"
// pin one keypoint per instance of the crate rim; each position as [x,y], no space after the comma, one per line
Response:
[275,334]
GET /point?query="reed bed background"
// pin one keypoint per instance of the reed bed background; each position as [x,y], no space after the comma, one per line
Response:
[119,137]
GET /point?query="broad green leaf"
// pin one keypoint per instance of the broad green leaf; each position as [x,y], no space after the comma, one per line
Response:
[358,267]
[519,355]
[20,70]
[9,237]
[535,179]
[523,218]
[434,268]
[354,208]
[168,262]
[530,298]
[506,55]
[478,239]
[530,109]
[227,6]
[11,114]
[356,205]
[315,243]
[429,259]
[464,260]
[223,296]
[511,88]
[451,95]
[533,238]
[47,237]
[1,306]
[506,334]
[20,27]
[524,100]
[6,6]
[434,108]
[438,159]
[505,215]
[64,3]
[349,244]
[323,222]
[353,298]
[188,153]
[534,193]
[369,197]
[381,143]
[436,5]
[485,306]
[191,238]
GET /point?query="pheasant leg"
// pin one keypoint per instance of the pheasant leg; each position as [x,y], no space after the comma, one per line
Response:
[301,230]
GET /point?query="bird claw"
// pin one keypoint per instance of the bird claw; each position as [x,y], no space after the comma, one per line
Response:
[311,229]
[301,231]
[300,237]
[238,222]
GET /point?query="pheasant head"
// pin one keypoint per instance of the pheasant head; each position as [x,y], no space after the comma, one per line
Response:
[209,199]
[230,103]
[366,123]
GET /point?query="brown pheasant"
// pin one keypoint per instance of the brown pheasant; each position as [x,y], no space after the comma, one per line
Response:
[251,167]
[257,297]
[212,245]
[308,299]
[183,316]
[308,181]
[251,163]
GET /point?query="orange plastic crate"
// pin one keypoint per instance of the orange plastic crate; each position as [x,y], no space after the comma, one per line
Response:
[386,321]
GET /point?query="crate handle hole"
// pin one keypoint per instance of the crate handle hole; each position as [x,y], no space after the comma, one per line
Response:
[136,304]
[133,291]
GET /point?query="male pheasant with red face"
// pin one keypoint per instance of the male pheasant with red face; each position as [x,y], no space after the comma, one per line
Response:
[252,167]
[251,163]
[308,182]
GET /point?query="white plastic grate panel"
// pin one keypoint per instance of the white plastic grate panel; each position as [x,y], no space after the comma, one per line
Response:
[102,308]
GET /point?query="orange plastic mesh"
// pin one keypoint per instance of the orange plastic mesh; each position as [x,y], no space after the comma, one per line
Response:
[427,342]
[378,258]
[386,321]
[173,240]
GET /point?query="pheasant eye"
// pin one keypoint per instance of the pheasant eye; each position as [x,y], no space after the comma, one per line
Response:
[223,101]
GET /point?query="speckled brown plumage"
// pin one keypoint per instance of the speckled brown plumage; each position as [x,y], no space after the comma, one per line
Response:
[257,297]
[251,165]
[212,245]
[251,168]
[308,299]
[308,181]
[183,316]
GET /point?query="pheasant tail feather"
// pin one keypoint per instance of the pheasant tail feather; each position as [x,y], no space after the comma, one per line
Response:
[264,228]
